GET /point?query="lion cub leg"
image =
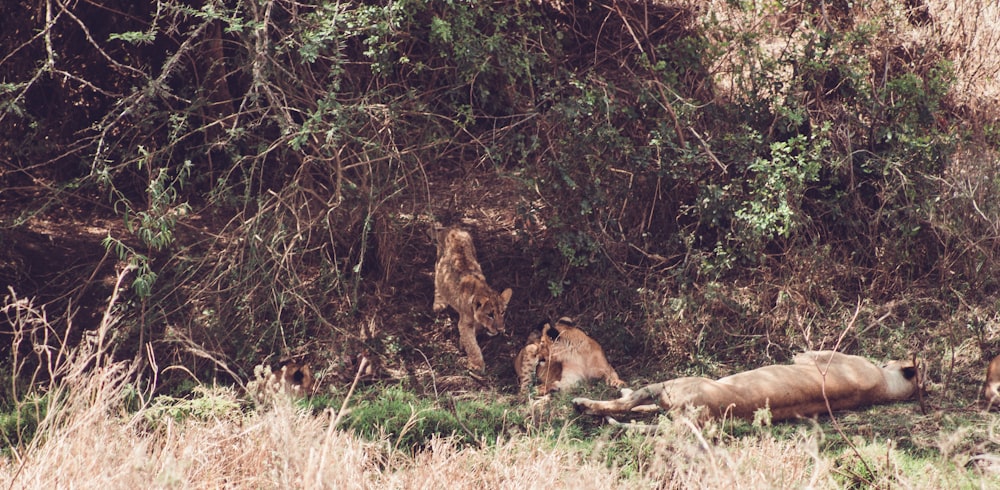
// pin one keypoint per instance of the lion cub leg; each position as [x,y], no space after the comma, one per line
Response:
[992,390]
[526,365]
[611,378]
[467,338]
[439,303]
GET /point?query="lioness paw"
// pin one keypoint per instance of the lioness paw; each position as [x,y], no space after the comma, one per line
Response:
[582,405]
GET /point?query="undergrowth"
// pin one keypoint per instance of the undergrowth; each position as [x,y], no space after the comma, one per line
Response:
[704,186]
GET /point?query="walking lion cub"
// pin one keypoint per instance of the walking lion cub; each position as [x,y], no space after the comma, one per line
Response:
[459,282]
[816,382]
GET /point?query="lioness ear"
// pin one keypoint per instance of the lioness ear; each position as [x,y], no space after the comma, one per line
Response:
[910,372]
[505,296]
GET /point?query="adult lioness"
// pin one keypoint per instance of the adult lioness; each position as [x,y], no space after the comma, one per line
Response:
[459,282]
[799,389]
[565,356]
[991,392]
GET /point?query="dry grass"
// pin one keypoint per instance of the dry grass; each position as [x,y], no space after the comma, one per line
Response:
[93,443]
[965,32]
[971,29]
[101,432]
[94,437]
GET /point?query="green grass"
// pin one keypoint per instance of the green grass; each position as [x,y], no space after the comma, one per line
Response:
[412,421]
[19,421]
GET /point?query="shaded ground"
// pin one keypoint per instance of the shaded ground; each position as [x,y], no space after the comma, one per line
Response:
[57,257]
[61,261]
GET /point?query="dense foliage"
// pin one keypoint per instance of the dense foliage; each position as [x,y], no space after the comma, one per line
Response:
[699,181]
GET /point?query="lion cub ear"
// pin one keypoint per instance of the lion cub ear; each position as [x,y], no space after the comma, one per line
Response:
[909,372]
[551,333]
[505,296]
[436,232]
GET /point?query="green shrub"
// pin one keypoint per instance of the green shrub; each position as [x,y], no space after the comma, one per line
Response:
[19,422]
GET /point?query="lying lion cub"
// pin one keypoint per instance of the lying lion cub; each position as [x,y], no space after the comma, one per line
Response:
[992,390]
[528,362]
[293,379]
[562,356]
[799,389]
[459,282]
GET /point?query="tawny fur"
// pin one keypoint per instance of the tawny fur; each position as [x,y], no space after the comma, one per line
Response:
[565,356]
[293,379]
[526,364]
[527,361]
[991,392]
[459,282]
[800,389]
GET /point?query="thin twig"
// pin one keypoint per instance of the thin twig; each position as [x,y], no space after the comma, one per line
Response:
[343,406]
[829,408]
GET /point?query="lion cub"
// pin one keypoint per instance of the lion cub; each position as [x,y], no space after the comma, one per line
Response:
[528,362]
[991,391]
[459,282]
[561,357]
[292,378]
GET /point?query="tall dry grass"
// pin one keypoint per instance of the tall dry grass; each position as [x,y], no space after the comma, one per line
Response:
[94,443]
[90,442]
[101,431]
[965,32]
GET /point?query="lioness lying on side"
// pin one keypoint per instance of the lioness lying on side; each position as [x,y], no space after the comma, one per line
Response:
[459,282]
[991,392]
[561,356]
[800,389]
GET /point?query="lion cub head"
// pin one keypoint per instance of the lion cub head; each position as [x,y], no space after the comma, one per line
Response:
[293,379]
[488,310]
